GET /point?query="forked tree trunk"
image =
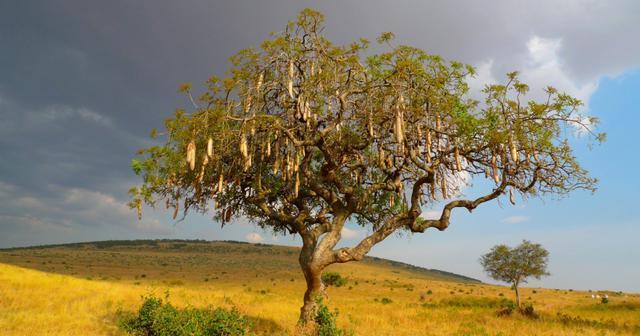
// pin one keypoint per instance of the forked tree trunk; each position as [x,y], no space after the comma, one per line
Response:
[315,288]
[314,258]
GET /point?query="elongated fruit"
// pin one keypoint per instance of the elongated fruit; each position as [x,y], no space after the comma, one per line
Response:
[210,147]
[512,197]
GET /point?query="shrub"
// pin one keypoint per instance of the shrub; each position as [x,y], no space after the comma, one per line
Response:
[506,309]
[333,279]
[326,321]
[385,300]
[604,300]
[423,296]
[528,311]
[159,318]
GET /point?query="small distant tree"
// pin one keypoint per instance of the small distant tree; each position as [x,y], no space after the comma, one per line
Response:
[515,265]
[303,136]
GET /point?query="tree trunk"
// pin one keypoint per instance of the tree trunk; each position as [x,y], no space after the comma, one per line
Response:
[312,274]
[515,286]
[315,256]
[315,289]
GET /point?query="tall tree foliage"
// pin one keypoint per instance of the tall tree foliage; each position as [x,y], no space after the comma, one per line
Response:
[302,136]
[516,265]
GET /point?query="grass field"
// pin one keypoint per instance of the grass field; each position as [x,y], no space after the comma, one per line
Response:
[77,290]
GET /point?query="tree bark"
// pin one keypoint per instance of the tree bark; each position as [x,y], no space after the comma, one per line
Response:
[315,256]
[515,286]
[312,273]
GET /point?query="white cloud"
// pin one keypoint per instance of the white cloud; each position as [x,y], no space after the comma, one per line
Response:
[60,112]
[541,65]
[432,214]
[482,78]
[253,237]
[36,225]
[515,219]
[68,209]
[95,203]
[350,233]
[100,208]
[150,226]
[545,67]
[543,52]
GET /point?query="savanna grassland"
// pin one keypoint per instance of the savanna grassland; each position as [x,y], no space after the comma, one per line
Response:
[77,289]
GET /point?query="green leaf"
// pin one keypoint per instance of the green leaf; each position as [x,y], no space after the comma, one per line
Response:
[137,166]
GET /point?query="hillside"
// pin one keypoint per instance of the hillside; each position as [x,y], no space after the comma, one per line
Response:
[183,259]
[78,289]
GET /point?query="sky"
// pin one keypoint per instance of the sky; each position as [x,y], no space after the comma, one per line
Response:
[83,82]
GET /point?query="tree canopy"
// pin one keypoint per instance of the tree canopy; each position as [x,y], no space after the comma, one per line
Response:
[301,136]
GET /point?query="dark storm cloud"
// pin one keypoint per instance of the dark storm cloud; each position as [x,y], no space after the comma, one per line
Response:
[82,82]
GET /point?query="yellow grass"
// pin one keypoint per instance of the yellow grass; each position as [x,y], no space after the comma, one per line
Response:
[77,291]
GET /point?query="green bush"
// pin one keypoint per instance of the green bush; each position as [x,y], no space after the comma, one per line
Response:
[333,279]
[326,321]
[159,318]
[604,300]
